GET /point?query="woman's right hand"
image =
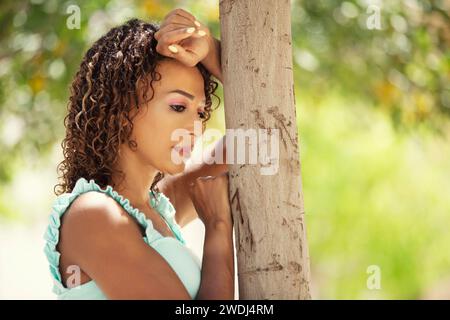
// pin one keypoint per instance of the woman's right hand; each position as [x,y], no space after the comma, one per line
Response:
[210,198]
[182,37]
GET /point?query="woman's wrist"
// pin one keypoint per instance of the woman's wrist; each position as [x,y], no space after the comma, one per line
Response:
[212,61]
[223,224]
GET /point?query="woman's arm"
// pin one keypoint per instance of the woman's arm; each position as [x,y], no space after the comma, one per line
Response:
[96,232]
[106,244]
[210,197]
[218,263]
[212,61]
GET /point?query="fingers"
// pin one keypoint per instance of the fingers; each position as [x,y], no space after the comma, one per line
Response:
[180,17]
[167,45]
[176,35]
[222,176]
[177,52]
[178,38]
[171,45]
[169,33]
[182,14]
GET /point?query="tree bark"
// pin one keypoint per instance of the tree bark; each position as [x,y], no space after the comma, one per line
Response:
[268,211]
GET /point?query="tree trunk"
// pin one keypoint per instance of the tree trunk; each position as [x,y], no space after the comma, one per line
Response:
[271,247]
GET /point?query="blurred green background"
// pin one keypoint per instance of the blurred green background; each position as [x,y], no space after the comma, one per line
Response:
[373,110]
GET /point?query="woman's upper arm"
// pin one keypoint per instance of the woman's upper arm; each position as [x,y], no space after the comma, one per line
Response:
[108,246]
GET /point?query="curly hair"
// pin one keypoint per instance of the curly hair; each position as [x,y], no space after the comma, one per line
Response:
[98,119]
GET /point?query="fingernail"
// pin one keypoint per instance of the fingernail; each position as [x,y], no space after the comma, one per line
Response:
[190,30]
[173,49]
[197,23]
[201,33]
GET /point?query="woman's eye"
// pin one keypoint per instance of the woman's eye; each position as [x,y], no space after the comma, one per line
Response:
[178,107]
[181,108]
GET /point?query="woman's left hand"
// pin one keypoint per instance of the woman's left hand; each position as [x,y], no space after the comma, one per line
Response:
[177,186]
[183,38]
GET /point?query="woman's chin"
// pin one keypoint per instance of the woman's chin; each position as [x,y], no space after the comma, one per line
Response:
[176,168]
[177,162]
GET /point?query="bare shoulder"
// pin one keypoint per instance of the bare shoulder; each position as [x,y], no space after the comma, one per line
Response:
[99,236]
[95,209]
[88,224]
[95,218]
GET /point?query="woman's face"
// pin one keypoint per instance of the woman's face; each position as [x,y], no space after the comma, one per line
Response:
[178,102]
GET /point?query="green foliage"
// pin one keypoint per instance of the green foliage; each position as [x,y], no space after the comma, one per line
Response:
[404,67]
[373,196]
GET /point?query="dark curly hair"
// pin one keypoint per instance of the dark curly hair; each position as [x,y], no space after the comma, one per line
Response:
[98,119]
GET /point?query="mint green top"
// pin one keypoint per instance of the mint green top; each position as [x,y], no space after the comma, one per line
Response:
[182,260]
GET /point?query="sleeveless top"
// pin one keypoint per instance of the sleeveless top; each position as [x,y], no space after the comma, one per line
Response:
[182,260]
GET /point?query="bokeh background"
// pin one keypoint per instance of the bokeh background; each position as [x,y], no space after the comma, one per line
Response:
[373,114]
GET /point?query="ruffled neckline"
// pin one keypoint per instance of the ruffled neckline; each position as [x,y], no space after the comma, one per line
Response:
[158,201]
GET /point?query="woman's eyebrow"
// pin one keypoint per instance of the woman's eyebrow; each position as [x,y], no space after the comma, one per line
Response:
[184,93]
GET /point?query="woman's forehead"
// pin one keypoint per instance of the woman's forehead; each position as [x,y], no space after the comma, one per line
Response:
[176,76]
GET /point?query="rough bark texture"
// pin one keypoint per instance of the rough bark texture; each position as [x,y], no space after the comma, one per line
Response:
[268,212]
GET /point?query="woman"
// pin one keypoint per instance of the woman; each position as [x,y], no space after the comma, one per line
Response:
[113,233]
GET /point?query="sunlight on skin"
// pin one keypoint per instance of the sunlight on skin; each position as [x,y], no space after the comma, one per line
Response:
[153,127]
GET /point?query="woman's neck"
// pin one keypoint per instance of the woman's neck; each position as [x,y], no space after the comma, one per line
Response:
[137,181]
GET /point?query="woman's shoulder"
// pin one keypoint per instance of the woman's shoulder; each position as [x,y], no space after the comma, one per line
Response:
[96,212]
[95,220]
[97,206]
[88,203]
